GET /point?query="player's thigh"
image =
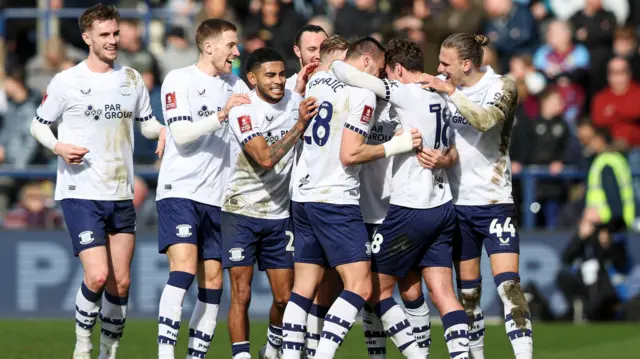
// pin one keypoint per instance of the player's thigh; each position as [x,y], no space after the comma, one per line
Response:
[209,274]
[307,278]
[276,244]
[341,232]
[281,281]
[120,248]
[307,248]
[400,242]
[95,262]
[440,283]
[210,239]
[178,223]
[86,223]
[504,262]
[239,240]
[467,241]
[443,226]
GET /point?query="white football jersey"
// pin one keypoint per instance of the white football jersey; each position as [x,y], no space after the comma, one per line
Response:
[483,173]
[291,82]
[252,190]
[375,176]
[320,175]
[199,170]
[97,111]
[414,186]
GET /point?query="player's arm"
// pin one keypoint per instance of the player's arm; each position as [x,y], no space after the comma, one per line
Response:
[354,150]
[52,106]
[256,146]
[391,91]
[483,117]
[149,125]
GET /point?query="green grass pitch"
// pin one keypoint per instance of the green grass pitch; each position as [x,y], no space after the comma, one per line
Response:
[44,339]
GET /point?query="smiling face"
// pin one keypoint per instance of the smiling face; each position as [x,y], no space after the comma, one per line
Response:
[269,80]
[451,66]
[103,39]
[223,50]
[309,49]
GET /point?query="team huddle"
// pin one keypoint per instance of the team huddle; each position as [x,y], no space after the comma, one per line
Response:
[354,176]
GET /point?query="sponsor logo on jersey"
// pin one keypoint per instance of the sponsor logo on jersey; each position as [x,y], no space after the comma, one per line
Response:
[115,111]
[272,138]
[367,112]
[93,112]
[245,123]
[170,101]
[204,111]
[458,118]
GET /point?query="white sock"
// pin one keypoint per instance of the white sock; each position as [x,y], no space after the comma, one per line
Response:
[418,314]
[374,336]
[203,322]
[517,317]
[456,334]
[315,322]
[240,350]
[87,310]
[294,326]
[113,315]
[274,342]
[470,294]
[397,327]
[170,311]
[338,322]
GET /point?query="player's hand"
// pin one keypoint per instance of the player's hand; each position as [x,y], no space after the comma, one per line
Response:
[436,84]
[417,139]
[162,140]
[303,77]
[233,101]
[431,158]
[308,109]
[71,154]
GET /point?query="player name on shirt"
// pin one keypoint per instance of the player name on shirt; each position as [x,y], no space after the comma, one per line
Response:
[252,190]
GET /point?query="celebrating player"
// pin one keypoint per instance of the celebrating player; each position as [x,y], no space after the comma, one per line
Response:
[418,229]
[484,106]
[307,49]
[196,102]
[97,102]
[328,225]
[255,213]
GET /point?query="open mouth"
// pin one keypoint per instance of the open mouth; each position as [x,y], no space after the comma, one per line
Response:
[277,90]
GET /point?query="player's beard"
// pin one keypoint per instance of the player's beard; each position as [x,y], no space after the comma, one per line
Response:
[103,55]
[264,93]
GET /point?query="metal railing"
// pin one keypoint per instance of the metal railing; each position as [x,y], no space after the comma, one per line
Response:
[529,178]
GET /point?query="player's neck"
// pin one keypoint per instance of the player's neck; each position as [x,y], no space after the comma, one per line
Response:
[411,77]
[94,64]
[207,67]
[473,79]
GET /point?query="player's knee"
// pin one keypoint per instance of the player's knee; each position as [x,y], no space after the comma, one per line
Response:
[280,300]
[363,289]
[122,286]
[96,280]
[411,293]
[214,282]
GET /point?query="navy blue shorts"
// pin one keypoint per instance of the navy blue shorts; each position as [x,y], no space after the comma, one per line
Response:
[89,222]
[182,220]
[495,225]
[245,239]
[329,234]
[414,239]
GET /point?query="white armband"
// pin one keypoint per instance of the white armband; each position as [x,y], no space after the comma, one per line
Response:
[185,132]
[43,134]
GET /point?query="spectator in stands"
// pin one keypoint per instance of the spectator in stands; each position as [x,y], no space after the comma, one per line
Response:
[594,28]
[31,211]
[543,142]
[179,52]
[564,9]
[131,53]
[625,44]
[145,204]
[511,28]
[564,64]
[459,16]
[41,68]
[360,18]
[530,84]
[616,107]
[218,9]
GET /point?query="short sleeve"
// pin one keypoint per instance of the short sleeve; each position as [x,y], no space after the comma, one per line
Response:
[362,106]
[143,106]
[397,93]
[53,103]
[175,99]
[244,123]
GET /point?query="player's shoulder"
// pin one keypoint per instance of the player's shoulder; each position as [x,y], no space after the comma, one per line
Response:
[361,94]
[68,77]
[242,110]
[180,75]
[233,80]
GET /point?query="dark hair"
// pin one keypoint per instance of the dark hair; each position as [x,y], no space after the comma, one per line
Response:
[17,73]
[604,133]
[261,56]
[362,46]
[98,12]
[308,28]
[333,44]
[406,53]
[469,46]
[212,28]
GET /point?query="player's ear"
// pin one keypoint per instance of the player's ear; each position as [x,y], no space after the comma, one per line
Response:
[86,38]
[252,78]
[397,69]
[207,47]
[466,65]
[297,51]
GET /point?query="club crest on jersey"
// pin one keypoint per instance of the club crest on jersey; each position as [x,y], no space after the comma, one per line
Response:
[93,112]
[170,101]
[236,254]
[245,123]
[367,113]
[125,90]
[86,237]
[183,230]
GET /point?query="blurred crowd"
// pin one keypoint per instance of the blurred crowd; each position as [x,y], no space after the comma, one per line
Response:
[576,63]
